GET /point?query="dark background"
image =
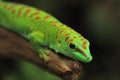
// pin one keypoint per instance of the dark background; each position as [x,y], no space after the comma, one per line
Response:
[96,20]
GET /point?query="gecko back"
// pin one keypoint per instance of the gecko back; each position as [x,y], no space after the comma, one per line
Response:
[25,19]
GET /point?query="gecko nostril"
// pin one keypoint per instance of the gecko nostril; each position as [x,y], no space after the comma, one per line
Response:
[87,58]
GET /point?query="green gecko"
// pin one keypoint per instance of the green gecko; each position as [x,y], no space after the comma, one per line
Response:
[42,30]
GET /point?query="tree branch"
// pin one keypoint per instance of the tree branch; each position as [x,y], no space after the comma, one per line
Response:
[13,45]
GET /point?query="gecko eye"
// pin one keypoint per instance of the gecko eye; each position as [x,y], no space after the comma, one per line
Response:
[72,45]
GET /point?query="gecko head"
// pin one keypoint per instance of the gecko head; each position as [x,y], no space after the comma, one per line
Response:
[81,51]
[77,47]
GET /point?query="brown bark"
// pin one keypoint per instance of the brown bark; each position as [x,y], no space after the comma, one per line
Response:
[14,46]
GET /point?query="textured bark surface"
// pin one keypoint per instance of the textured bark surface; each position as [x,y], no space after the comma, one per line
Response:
[14,46]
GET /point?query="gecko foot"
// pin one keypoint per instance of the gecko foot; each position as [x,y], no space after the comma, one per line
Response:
[44,54]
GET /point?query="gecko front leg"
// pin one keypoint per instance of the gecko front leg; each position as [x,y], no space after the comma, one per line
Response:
[37,42]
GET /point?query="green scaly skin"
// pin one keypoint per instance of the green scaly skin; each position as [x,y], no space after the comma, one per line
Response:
[42,29]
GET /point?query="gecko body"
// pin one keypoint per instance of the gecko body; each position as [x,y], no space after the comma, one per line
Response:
[42,29]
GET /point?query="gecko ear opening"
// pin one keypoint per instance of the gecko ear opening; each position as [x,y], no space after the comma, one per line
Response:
[72,45]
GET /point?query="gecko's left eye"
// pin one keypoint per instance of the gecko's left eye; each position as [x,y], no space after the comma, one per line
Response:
[72,45]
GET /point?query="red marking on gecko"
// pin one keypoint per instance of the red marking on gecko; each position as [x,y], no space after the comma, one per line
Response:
[61,31]
[66,39]
[37,18]
[5,6]
[70,41]
[35,13]
[13,11]
[74,37]
[57,33]
[46,17]
[20,10]
[54,23]
[79,36]
[82,52]
[81,39]
[66,34]
[12,6]
[27,11]
[56,36]
[84,44]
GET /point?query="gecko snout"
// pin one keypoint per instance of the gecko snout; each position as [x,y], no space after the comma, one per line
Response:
[89,59]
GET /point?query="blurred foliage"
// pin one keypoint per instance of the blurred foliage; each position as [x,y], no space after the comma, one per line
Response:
[13,69]
[97,20]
